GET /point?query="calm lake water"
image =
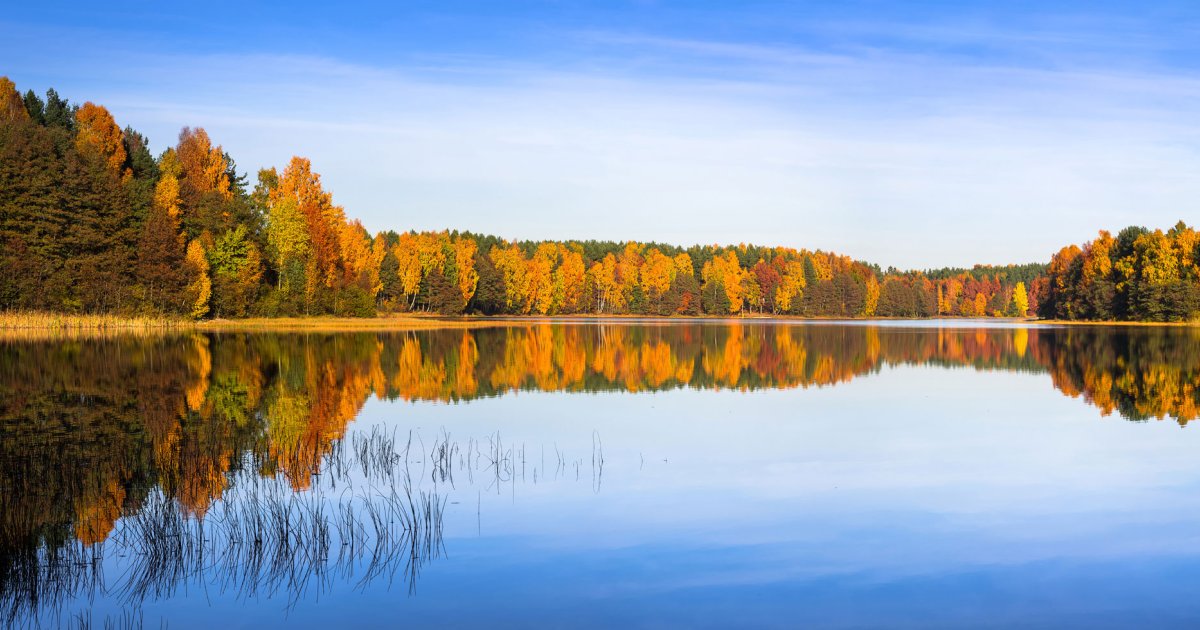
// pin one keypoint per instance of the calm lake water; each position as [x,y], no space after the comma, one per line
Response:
[601,474]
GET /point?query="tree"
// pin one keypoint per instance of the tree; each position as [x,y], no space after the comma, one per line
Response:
[569,281]
[466,277]
[769,279]
[490,293]
[102,232]
[160,266]
[791,286]
[684,297]
[602,277]
[58,112]
[540,279]
[390,292]
[98,136]
[408,268]
[1019,303]
[656,275]
[443,296]
[1059,300]
[1125,270]
[203,166]
[235,267]
[727,272]
[510,262]
[714,300]
[323,223]
[199,287]
[360,259]
[980,309]
[12,108]
[288,246]
[896,299]
[1095,290]
[872,296]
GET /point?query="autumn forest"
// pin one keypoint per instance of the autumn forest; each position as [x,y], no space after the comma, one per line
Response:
[92,222]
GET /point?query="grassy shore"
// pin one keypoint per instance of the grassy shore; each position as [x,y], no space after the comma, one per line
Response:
[35,325]
[42,325]
[347,324]
[38,320]
[1113,322]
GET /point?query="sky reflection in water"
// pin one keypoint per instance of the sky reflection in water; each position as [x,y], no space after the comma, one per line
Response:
[761,474]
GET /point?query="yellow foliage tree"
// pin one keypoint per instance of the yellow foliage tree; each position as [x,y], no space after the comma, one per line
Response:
[1020,300]
[569,281]
[726,270]
[541,280]
[603,278]
[409,266]
[628,271]
[872,300]
[166,191]
[359,262]
[324,221]
[683,265]
[510,261]
[12,108]
[656,275]
[791,285]
[199,288]
[464,261]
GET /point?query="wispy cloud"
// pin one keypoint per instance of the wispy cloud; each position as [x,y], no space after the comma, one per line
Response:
[896,153]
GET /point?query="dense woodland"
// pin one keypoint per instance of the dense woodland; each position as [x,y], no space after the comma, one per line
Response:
[92,222]
[1138,275]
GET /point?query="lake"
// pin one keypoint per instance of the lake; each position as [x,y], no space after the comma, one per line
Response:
[601,473]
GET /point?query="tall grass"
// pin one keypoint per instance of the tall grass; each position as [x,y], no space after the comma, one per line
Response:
[40,325]
[43,320]
[43,325]
[261,540]
[349,324]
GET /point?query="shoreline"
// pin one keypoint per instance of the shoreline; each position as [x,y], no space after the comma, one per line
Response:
[32,325]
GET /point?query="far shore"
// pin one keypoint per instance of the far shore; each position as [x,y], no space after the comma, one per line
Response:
[427,321]
[1112,322]
[17,325]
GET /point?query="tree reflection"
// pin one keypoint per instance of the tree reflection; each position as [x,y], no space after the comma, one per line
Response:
[91,430]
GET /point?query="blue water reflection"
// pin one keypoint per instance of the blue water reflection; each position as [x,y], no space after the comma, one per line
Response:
[958,488]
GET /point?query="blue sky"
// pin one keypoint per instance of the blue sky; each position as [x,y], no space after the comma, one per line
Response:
[908,134]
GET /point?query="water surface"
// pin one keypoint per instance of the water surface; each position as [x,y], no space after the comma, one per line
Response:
[590,473]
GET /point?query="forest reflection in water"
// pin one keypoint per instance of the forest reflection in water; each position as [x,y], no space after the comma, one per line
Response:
[225,458]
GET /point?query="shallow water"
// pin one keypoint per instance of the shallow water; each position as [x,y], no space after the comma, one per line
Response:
[584,473]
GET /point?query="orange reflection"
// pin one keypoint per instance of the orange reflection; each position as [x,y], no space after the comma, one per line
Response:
[88,427]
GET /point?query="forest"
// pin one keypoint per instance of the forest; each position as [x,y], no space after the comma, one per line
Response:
[92,222]
[1139,275]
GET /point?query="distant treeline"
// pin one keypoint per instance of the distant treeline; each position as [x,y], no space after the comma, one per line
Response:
[92,222]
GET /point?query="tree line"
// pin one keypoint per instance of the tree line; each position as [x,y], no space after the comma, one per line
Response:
[1137,275]
[92,222]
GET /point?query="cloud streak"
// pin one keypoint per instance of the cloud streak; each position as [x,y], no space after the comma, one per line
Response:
[899,156]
